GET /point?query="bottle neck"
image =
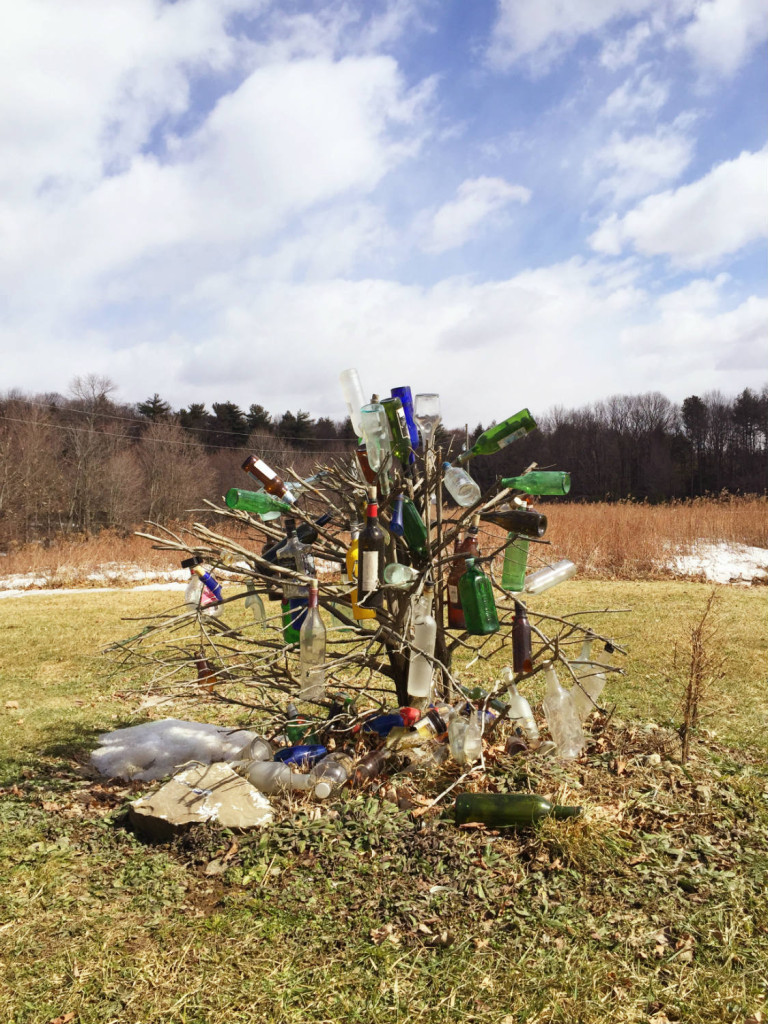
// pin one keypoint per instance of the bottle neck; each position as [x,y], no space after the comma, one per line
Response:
[560,812]
[373,511]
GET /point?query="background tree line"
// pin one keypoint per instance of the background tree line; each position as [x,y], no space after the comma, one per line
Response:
[85,461]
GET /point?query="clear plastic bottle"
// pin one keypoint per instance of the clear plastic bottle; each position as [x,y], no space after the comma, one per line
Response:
[420,668]
[562,717]
[520,713]
[460,485]
[274,777]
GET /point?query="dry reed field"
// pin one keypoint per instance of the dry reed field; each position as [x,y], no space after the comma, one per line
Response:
[622,540]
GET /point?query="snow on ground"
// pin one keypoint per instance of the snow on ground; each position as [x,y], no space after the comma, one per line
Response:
[723,563]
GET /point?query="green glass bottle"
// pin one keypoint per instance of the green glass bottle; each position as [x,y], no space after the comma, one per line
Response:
[254,501]
[476,596]
[414,529]
[398,426]
[495,438]
[539,482]
[515,563]
[291,634]
[503,810]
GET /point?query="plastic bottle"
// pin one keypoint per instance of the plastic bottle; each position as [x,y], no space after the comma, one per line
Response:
[562,717]
[520,713]
[508,809]
[460,485]
[549,576]
[420,668]
[272,777]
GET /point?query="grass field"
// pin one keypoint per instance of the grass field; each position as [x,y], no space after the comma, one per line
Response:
[650,908]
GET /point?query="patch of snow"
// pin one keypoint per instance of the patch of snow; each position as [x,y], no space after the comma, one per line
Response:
[156,749]
[53,591]
[723,562]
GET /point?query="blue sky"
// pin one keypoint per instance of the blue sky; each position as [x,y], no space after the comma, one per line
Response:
[510,202]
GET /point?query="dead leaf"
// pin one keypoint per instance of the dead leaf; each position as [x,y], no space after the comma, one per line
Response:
[11,705]
[63,1020]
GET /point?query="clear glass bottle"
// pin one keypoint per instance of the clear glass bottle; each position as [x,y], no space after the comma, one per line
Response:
[426,412]
[515,562]
[457,728]
[272,777]
[293,554]
[257,749]
[562,717]
[473,738]
[420,668]
[352,391]
[520,713]
[591,681]
[375,428]
[254,604]
[312,638]
[397,575]
[549,576]
[504,433]
[460,485]
[476,596]
[539,482]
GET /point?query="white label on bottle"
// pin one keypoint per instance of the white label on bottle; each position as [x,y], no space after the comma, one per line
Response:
[369,571]
[453,595]
[504,441]
[264,468]
[402,421]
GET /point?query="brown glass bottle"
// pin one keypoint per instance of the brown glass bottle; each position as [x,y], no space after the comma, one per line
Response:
[521,640]
[467,548]
[372,764]
[525,521]
[271,482]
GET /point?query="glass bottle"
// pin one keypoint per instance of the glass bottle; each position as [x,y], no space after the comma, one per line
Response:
[431,726]
[420,668]
[258,469]
[293,554]
[460,485]
[257,749]
[467,548]
[368,475]
[562,717]
[396,520]
[476,596]
[520,712]
[293,612]
[505,809]
[524,521]
[312,650]
[473,737]
[398,428]
[539,482]
[255,605]
[414,529]
[203,591]
[272,777]
[426,412]
[457,728]
[375,433]
[330,774]
[352,392]
[591,684]
[307,533]
[371,557]
[495,438]
[372,764]
[521,640]
[405,396]
[549,576]
[515,562]
[254,501]
[352,563]
[398,575]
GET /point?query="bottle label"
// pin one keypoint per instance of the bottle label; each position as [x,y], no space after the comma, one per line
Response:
[369,574]
[262,467]
[504,441]
[403,422]
[453,595]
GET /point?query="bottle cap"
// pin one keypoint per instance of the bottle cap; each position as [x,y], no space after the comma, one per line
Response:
[190,563]
[323,789]
[410,716]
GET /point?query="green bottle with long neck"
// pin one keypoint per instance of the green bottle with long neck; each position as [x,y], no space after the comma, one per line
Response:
[539,482]
[502,810]
[495,438]
[254,501]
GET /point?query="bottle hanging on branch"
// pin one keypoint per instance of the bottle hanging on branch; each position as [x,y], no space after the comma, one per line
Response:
[549,576]
[476,596]
[414,529]
[539,482]
[562,717]
[353,569]
[376,434]
[495,438]
[398,428]
[405,396]
[254,501]
[467,548]
[521,640]
[420,668]
[312,637]
[352,390]
[260,471]
[371,545]
[515,562]
[524,521]
[592,683]
[520,713]
[203,591]
[460,485]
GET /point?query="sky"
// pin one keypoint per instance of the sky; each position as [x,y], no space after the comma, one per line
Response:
[509,202]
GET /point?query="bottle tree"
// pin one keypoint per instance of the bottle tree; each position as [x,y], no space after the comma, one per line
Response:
[432,595]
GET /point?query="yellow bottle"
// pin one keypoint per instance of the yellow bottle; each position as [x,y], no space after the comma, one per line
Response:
[352,557]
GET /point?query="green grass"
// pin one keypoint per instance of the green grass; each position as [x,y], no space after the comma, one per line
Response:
[650,907]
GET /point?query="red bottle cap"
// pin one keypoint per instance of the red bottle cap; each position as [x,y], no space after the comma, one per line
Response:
[410,716]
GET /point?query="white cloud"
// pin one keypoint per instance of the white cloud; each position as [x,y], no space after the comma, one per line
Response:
[638,164]
[638,96]
[723,33]
[697,224]
[458,220]
[625,49]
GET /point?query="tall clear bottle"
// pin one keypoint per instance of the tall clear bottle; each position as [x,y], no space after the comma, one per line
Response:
[591,680]
[476,596]
[562,716]
[520,713]
[352,390]
[293,554]
[495,438]
[312,650]
[420,668]
[371,544]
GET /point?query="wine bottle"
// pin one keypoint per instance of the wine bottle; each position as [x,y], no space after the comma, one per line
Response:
[312,650]
[515,562]
[353,566]
[375,427]
[549,576]
[398,428]
[562,717]
[371,557]
[539,482]
[254,501]
[495,438]
[467,548]
[521,640]
[524,521]
[460,485]
[258,469]
[368,475]
[352,391]
[420,668]
[293,614]
[476,596]
[501,810]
